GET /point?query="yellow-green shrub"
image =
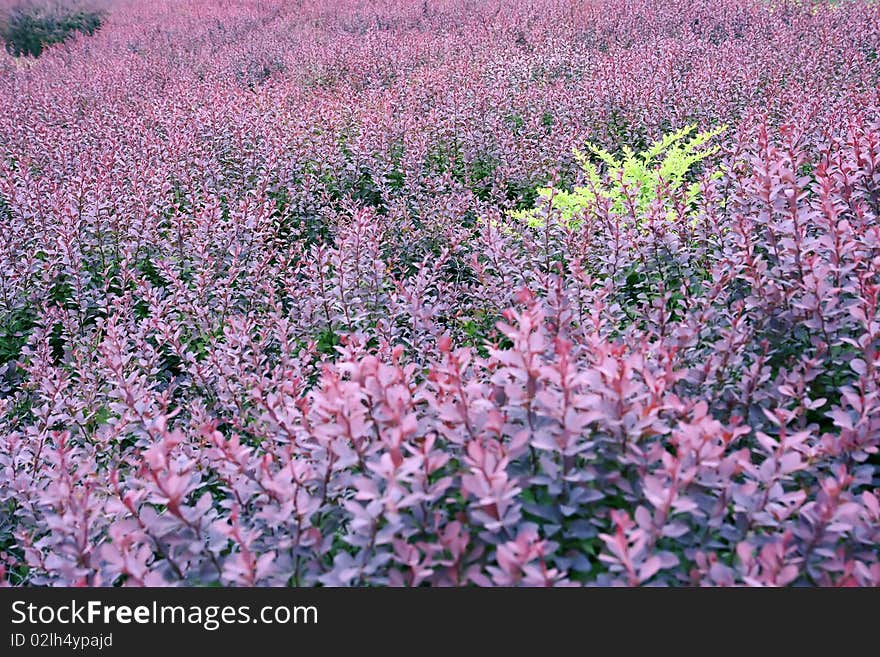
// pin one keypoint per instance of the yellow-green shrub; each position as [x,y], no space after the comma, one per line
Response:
[634,175]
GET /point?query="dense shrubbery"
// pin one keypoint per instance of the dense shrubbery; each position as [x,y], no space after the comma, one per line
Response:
[632,182]
[29,28]
[266,315]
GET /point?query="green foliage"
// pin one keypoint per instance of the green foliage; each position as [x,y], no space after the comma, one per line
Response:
[15,328]
[668,163]
[28,30]
[476,172]
[328,340]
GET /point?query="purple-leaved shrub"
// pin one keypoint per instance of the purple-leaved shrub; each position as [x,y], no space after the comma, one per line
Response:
[260,322]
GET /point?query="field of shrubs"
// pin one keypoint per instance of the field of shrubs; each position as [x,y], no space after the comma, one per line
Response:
[440,292]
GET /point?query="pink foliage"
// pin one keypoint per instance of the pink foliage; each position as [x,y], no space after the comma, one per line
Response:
[258,325]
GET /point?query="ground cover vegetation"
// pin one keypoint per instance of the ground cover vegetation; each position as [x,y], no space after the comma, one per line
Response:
[545,292]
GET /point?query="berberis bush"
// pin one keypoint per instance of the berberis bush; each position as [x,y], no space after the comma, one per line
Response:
[268,316]
[31,26]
